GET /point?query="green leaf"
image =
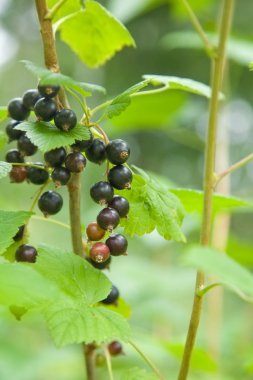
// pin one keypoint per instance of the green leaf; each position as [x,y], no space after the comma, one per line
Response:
[67,8]
[122,308]
[240,251]
[5,168]
[3,113]
[3,140]
[94,34]
[152,207]
[48,77]
[226,270]
[137,374]
[10,221]
[46,136]
[75,316]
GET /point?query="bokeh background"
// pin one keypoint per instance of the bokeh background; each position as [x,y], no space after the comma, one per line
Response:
[151,278]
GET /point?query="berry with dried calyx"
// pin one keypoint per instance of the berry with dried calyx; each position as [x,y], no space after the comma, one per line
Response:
[26,253]
[65,119]
[94,232]
[18,174]
[120,177]
[112,296]
[101,192]
[101,266]
[14,156]
[37,176]
[96,151]
[99,252]
[12,133]
[117,151]
[26,147]
[61,176]
[120,204]
[31,97]
[50,202]
[45,109]
[17,109]
[75,162]
[55,157]
[117,244]
[48,91]
[108,219]
[115,348]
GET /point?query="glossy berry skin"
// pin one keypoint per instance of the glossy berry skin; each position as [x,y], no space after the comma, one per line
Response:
[19,235]
[96,151]
[37,176]
[48,91]
[99,252]
[115,348]
[45,109]
[26,253]
[18,174]
[14,155]
[101,192]
[112,296]
[12,133]
[94,232]
[26,147]
[117,151]
[120,204]
[55,157]
[65,120]
[75,162]
[17,109]
[82,145]
[50,203]
[120,177]
[117,244]
[31,97]
[108,219]
[101,266]
[61,176]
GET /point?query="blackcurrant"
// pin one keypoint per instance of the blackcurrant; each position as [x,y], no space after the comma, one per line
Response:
[26,147]
[31,97]
[117,244]
[50,202]
[120,177]
[94,232]
[115,348]
[48,91]
[108,219]
[14,156]
[99,252]
[60,176]
[26,253]
[103,265]
[96,151]
[120,204]
[75,162]
[45,109]
[12,133]
[19,235]
[81,145]
[37,176]
[65,119]
[102,192]
[17,109]
[112,296]
[18,174]
[117,151]
[55,157]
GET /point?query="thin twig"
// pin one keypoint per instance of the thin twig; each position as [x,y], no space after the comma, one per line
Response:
[50,220]
[108,362]
[52,12]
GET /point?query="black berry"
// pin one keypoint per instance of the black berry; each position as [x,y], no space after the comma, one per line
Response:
[112,296]
[50,202]
[26,147]
[82,145]
[48,91]
[19,235]
[14,156]
[102,192]
[37,176]
[120,204]
[75,162]
[115,348]
[31,97]
[12,133]
[55,157]
[117,244]
[120,177]
[26,253]
[18,174]
[103,265]
[108,219]
[65,119]
[17,109]
[60,176]
[94,232]
[117,151]
[96,151]
[99,252]
[45,109]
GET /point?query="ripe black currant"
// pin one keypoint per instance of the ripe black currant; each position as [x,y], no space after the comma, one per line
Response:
[26,253]
[117,151]
[120,177]
[31,97]
[60,176]
[112,296]
[108,219]
[55,157]
[94,232]
[14,155]
[99,252]
[115,348]
[103,265]
[75,162]
[82,145]
[19,235]
[17,109]
[65,119]
[120,204]
[48,91]
[45,109]
[50,202]
[96,151]
[117,244]
[12,133]
[102,192]
[26,147]
[18,174]
[37,176]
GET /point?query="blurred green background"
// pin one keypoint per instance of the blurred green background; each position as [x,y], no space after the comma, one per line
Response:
[150,279]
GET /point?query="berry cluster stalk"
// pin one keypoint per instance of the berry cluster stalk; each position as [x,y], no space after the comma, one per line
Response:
[51,62]
[217,76]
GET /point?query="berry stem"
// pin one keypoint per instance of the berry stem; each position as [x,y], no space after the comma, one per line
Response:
[54,221]
[37,195]
[30,165]
[108,362]
[218,69]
